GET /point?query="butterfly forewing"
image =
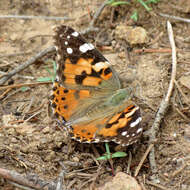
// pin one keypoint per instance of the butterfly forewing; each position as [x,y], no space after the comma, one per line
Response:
[80,64]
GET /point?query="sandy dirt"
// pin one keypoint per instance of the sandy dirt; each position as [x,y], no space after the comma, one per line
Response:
[31,142]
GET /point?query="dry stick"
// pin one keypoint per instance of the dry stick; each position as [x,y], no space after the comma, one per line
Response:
[35,17]
[95,17]
[28,181]
[33,115]
[60,181]
[142,186]
[26,64]
[175,17]
[98,12]
[186,99]
[20,76]
[179,170]
[143,159]
[163,50]
[164,103]
[20,186]
[129,163]
[21,85]
[5,93]
[15,54]
[157,185]
[182,115]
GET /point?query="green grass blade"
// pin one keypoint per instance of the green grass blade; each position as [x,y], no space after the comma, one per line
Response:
[144,5]
[44,79]
[24,88]
[134,16]
[120,3]
[102,158]
[151,1]
[119,154]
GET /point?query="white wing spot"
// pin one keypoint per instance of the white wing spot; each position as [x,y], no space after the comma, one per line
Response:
[136,122]
[75,34]
[127,136]
[85,47]
[124,133]
[69,51]
[118,142]
[133,135]
[125,144]
[100,65]
[57,78]
[68,37]
[96,140]
[139,130]
[66,43]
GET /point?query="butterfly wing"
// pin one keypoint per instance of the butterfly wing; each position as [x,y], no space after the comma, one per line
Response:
[84,76]
[84,81]
[80,65]
[122,127]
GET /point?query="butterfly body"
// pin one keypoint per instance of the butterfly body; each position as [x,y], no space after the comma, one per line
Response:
[87,95]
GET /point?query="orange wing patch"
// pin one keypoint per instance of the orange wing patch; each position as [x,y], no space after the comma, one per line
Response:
[64,101]
[105,128]
[83,72]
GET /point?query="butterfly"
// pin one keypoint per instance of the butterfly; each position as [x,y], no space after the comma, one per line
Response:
[87,96]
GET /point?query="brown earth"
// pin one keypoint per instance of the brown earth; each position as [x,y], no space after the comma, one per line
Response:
[38,146]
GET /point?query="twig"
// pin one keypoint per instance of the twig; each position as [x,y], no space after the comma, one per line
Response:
[157,185]
[26,64]
[182,115]
[98,12]
[30,181]
[164,103]
[175,17]
[179,170]
[20,186]
[89,29]
[129,163]
[35,17]
[142,186]
[186,99]
[60,181]
[21,85]
[143,159]
[20,76]
[33,115]
[163,50]
[11,94]
[5,93]
[15,54]
[95,17]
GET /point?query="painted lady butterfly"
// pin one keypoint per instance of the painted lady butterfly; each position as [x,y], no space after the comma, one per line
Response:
[87,95]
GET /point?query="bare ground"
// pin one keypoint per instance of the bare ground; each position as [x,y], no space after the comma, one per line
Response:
[37,145]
